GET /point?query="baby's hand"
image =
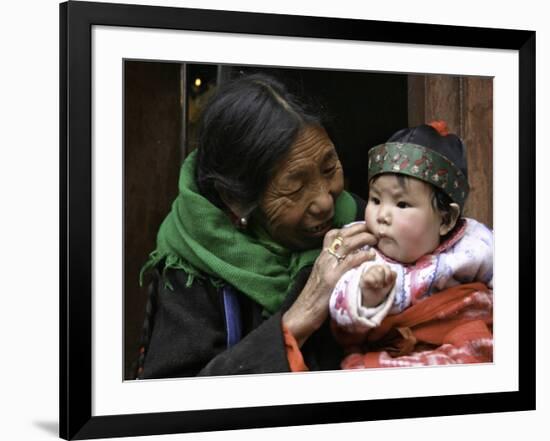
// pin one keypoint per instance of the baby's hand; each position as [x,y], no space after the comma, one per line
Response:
[375,283]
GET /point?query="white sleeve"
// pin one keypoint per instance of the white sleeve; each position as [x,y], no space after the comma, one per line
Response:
[346,300]
[470,260]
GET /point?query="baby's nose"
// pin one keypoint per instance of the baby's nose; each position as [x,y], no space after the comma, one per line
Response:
[384,215]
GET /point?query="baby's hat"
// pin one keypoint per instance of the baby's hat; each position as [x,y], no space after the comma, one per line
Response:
[427,152]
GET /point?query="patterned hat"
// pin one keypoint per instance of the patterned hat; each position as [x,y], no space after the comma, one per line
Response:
[426,153]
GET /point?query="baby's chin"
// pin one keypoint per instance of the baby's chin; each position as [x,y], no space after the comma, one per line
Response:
[389,250]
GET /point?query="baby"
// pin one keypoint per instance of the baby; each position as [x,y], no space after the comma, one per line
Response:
[418,185]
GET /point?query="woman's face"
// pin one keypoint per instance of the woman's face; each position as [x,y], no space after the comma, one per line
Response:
[298,205]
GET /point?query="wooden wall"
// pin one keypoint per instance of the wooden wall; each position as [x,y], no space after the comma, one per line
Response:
[466,104]
[152,126]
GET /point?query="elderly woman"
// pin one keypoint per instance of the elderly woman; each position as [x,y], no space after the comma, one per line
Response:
[251,249]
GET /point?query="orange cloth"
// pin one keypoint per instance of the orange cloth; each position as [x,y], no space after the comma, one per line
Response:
[452,326]
[293,353]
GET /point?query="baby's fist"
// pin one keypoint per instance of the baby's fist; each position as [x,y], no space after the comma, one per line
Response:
[375,283]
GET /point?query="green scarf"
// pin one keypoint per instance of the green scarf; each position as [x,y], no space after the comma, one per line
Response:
[200,239]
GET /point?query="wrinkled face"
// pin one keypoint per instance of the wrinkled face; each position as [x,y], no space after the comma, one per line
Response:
[402,217]
[298,205]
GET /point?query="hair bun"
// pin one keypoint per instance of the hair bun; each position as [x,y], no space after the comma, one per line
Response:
[440,126]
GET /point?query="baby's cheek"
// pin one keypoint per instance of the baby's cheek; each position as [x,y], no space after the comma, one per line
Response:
[418,236]
[410,230]
[370,219]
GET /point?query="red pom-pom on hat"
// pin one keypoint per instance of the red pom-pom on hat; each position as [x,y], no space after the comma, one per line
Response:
[440,126]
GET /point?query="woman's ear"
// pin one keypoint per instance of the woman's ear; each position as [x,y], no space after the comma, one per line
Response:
[236,209]
[449,221]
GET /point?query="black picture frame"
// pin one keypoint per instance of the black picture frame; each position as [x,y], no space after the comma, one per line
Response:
[76,21]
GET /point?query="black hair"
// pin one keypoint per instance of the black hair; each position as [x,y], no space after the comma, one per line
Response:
[246,128]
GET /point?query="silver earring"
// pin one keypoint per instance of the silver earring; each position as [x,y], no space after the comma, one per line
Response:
[243,222]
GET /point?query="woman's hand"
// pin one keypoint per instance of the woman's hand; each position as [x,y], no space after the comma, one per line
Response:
[310,309]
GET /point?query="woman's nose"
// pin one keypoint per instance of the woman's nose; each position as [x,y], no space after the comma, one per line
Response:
[322,202]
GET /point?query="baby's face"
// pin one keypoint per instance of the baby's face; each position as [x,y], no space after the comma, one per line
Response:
[402,217]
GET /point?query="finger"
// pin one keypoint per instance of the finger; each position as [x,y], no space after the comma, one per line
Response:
[381,277]
[330,263]
[385,273]
[373,280]
[353,243]
[351,230]
[360,230]
[356,259]
[327,262]
[390,276]
[355,236]
[330,236]
[367,282]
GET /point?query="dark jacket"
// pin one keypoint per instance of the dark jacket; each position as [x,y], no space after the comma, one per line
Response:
[190,332]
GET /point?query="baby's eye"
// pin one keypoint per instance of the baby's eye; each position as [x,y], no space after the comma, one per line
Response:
[403,204]
[374,200]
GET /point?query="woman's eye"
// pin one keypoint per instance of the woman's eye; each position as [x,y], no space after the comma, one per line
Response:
[329,170]
[402,204]
[295,190]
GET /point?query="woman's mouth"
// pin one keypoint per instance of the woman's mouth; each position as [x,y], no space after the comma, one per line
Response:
[320,229]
